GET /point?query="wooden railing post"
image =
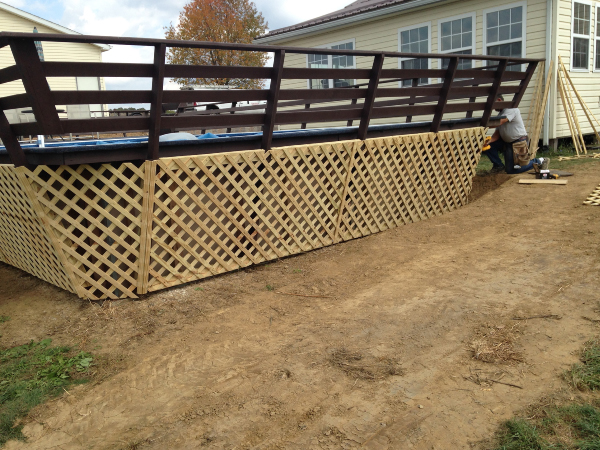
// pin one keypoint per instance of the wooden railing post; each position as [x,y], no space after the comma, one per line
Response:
[271,110]
[448,80]
[36,86]
[353,102]
[11,142]
[415,83]
[365,118]
[303,126]
[524,83]
[489,106]
[158,80]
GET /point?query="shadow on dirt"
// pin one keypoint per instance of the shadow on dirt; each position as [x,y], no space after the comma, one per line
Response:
[483,184]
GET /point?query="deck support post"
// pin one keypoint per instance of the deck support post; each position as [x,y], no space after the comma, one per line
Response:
[365,118]
[273,99]
[489,106]
[448,80]
[158,80]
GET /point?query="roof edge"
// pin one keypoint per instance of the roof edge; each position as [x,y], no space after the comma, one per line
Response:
[335,23]
[46,23]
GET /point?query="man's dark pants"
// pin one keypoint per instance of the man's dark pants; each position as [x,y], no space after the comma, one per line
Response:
[509,162]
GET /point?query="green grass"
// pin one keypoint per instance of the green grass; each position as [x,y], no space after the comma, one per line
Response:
[517,434]
[568,427]
[31,374]
[571,426]
[586,375]
[4,319]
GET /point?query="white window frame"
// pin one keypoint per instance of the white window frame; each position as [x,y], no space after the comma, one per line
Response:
[581,36]
[523,37]
[473,17]
[596,33]
[330,59]
[412,27]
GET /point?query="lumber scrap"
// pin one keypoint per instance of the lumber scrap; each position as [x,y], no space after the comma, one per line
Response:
[557,182]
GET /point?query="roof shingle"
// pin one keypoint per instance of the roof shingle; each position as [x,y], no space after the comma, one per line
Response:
[357,7]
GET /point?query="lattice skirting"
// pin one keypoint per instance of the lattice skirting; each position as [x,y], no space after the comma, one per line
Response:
[594,198]
[111,231]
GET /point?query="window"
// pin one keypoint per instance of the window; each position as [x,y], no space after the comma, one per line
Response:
[580,30]
[456,36]
[414,40]
[329,62]
[504,32]
[597,60]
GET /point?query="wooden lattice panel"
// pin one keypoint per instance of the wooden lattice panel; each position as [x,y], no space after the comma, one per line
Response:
[24,240]
[95,214]
[405,179]
[594,198]
[115,231]
[217,213]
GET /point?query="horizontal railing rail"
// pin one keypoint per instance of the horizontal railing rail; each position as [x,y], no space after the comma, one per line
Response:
[370,96]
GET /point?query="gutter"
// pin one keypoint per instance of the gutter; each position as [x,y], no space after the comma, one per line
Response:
[345,21]
[546,136]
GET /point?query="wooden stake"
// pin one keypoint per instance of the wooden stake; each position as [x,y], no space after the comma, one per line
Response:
[583,104]
[535,136]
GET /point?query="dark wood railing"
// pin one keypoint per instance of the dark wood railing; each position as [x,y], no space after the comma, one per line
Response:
[283,106]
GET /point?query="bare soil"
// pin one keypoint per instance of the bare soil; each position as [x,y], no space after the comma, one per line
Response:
[380,357]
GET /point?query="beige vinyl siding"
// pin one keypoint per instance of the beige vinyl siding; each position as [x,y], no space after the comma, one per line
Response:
[382,34]
[53,51]
[587,83]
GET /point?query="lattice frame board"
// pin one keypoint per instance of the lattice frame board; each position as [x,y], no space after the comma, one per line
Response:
[120,230]
[594,198]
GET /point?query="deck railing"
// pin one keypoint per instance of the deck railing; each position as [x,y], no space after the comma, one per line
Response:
[465,91]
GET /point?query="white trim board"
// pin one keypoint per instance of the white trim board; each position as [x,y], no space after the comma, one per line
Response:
[44,22]
[572,35]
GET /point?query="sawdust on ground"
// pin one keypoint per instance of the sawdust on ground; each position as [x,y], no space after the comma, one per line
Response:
[384,360]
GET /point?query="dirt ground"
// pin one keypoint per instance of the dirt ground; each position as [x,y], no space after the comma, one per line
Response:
[381,360]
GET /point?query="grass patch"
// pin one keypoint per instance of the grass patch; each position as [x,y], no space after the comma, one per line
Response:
[32,373]
[4,319]
[559,427]
[586,375]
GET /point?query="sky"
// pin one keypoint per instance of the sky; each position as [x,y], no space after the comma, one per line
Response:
[148,18]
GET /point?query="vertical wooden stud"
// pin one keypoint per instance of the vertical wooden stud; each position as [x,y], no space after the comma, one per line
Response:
[146,228]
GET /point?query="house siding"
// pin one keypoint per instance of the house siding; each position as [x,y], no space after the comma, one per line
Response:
[587,83]
[53,51]
[382,34]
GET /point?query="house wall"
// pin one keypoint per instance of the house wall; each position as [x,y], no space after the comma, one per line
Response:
[53,51]
[587,83]
[382,34]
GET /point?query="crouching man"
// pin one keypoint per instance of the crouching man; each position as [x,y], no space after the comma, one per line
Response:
[510,138]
